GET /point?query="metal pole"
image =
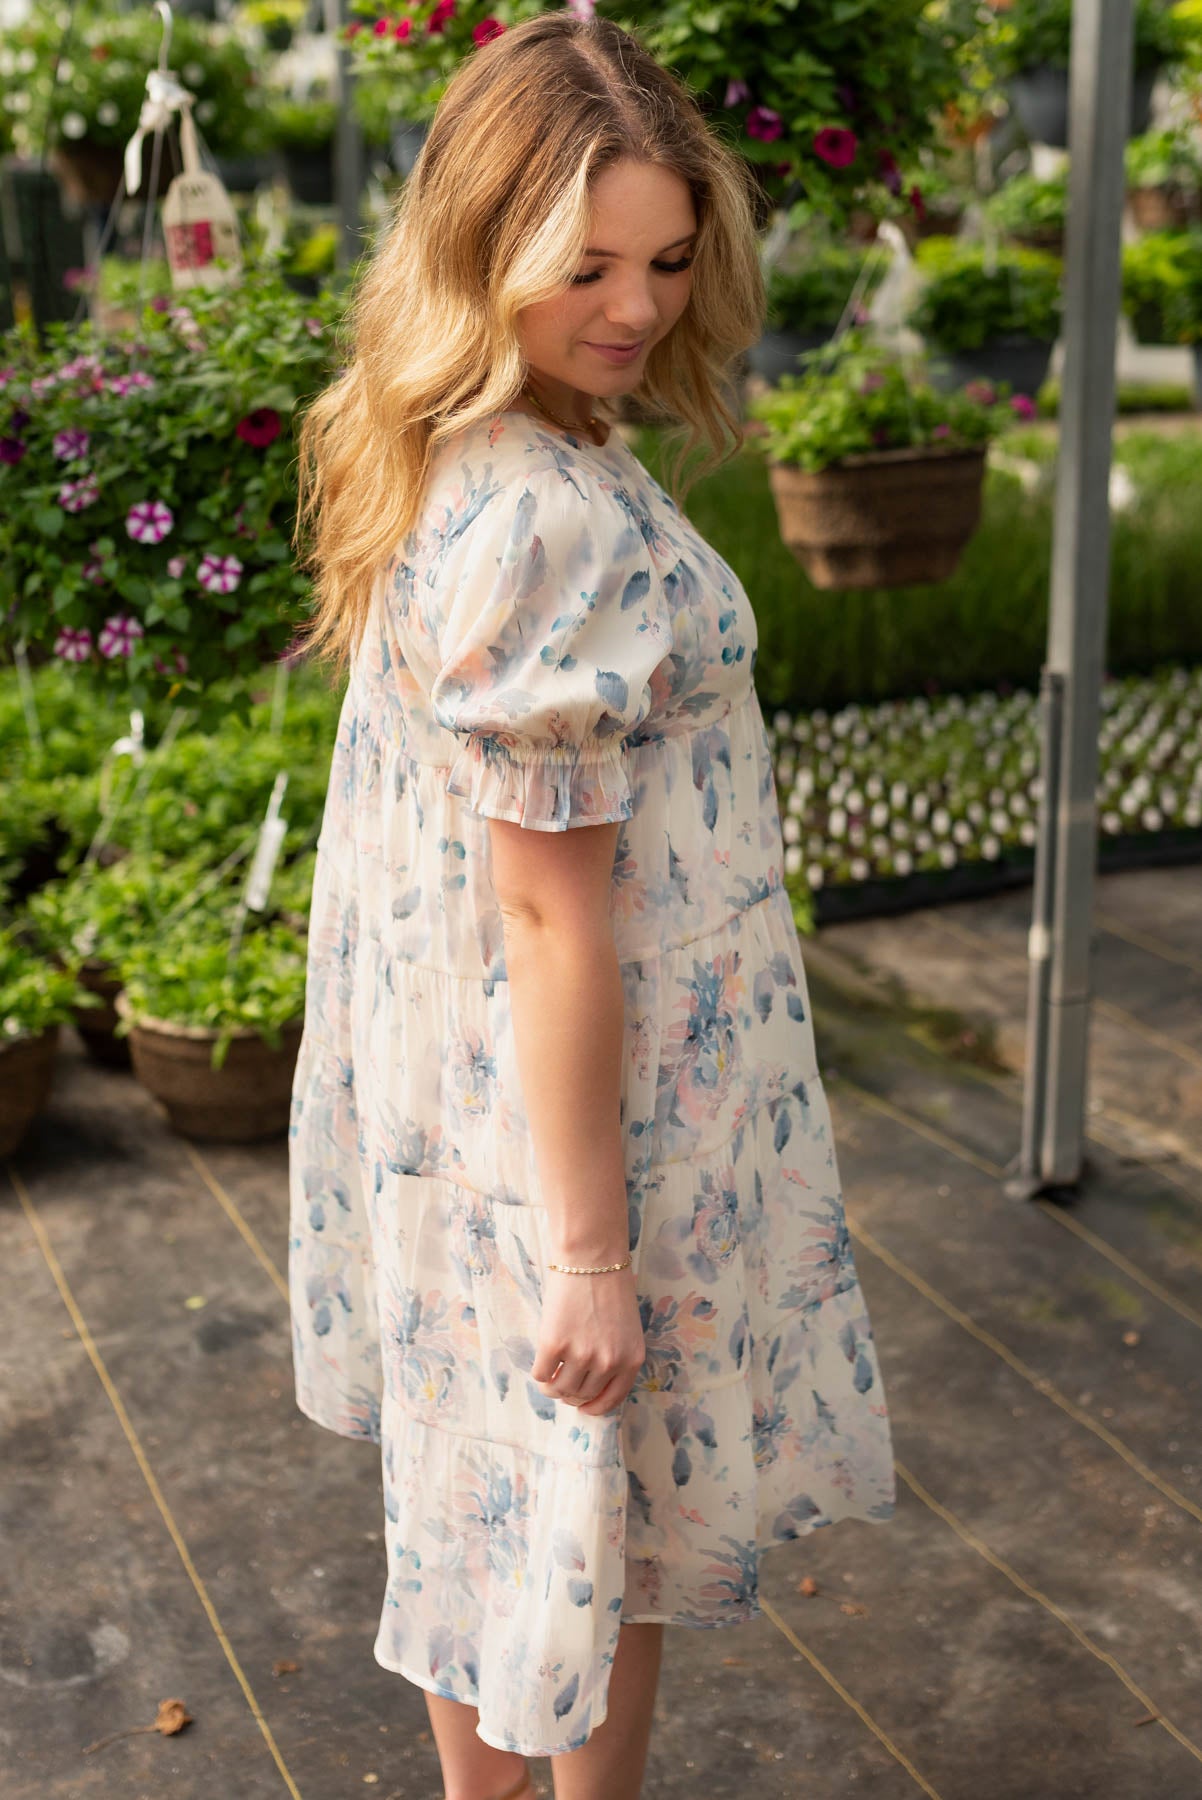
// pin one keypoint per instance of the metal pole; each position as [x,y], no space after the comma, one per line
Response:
[348,142]
[1058,1019]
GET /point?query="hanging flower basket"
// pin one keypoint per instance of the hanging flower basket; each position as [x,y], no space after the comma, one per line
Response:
[26,1071]
[888,519]
[97,1025]
[877,478]
[247,1099]
[1040,98]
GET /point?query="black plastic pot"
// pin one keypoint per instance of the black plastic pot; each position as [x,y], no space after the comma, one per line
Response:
[243,174]
[1021,361]
[310,175]
[1040,98]
[779,352]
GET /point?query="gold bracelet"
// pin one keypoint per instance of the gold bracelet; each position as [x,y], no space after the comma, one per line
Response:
[563,1269]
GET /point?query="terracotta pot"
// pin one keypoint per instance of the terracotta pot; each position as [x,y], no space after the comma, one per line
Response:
[1163,208]
[247,1099]
[887,520]
[26,1071]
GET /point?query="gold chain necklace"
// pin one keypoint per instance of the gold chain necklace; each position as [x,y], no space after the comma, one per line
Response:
[589,425]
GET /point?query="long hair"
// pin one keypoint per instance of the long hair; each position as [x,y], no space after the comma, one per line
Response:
[494,217]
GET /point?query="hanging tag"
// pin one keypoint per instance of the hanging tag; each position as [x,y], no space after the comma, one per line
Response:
[133,746]
[272,833]
[199,222]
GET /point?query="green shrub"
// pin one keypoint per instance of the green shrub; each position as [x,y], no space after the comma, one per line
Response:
[1026,206]
[1162,287]
[968,300]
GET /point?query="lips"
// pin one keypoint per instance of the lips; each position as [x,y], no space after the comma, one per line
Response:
[635,346]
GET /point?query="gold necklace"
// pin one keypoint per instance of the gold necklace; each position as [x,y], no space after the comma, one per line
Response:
[589,425]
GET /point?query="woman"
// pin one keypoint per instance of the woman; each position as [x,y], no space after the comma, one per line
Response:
[567,1236]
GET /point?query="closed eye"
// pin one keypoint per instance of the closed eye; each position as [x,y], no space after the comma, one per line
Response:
[665,268]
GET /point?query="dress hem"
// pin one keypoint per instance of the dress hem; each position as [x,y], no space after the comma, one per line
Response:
[432,1687]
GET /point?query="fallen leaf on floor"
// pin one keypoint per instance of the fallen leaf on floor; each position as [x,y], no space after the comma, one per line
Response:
[284,1666]
[852,1608]
[1131,1338]
[1148,1719]
[732,1662]
[171,1717]
[807,1586]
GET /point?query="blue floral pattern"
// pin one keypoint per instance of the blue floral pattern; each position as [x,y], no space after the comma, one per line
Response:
[556,645]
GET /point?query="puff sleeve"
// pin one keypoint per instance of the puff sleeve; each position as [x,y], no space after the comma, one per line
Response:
[554,630]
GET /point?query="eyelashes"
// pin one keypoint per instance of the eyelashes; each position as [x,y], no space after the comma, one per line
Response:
[672,268]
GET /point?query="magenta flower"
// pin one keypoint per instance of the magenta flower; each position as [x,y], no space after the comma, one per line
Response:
[220,574]
[149,521]
[74,496]
[241,529]
[486,30]
[41,384]
[73,645]
[437,22]
[1024,406]
[125,384]
[918,203]
[982,393]
[119,635]
[70,445]
[260,427]
[737,92]
[941,431]
[176,566]
[93,570]
[404,29]
[836,146]
[12,449]
[6,375]
[764,124]
[177,658]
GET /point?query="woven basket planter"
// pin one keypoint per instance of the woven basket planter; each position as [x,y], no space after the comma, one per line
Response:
[97,1025]
[887,520]
[247,1099]
[26,1071]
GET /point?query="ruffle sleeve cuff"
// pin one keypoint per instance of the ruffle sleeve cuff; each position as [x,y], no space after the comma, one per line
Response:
[547,788]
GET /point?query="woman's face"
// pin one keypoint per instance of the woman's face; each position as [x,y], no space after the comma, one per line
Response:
[632,286]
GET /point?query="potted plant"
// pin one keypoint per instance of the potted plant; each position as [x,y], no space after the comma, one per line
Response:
[214,1037]
[1031,46]
[806,296]
[302,132]
[876,476]
[35,999]
[1031,211]
[1164,180]
[988,317]
[92,108]
[1162,292]
[147,487]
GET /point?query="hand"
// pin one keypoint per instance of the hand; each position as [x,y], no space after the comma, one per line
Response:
[590,1342]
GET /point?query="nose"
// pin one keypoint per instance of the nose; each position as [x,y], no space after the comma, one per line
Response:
[630,307]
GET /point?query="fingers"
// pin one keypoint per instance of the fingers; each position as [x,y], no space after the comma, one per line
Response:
[612,1395]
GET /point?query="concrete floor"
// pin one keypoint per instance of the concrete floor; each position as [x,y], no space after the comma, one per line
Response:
[1029,1624]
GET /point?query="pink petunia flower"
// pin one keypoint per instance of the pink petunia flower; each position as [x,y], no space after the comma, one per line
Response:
[486,30]
[42,384]
[941,431]
[764,124]
[176,566]
[381,27]
[220,574]
[73,645]
[836,146]
[737,91]
[314,327]
[404,29]
[74,496]
[125,384]
[12,449]
[260,427]
[982,393]
[7,375]
[93,570]
[178,660]
[149,521]
[119,635]
[437,22]
[582,9]
[1024,406]
[69,445]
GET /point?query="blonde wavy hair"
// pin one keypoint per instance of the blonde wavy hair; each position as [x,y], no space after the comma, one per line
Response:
[494,218]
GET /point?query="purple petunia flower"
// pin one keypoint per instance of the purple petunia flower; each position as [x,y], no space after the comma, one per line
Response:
[149,521]
[73,645]
[119,635]
[220,574]
[69,445]
[12,449]
[74,496]
[764,124]
[736,92]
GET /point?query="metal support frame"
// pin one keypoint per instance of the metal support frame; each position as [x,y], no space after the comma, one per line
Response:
[1052,1153]
[348,142]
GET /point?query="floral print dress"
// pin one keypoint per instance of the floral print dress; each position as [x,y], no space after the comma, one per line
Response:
[554,644]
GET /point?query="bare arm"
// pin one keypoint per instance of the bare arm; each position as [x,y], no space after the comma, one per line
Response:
[566,1001]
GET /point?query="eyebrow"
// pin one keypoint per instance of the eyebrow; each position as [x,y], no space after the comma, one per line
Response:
[663,252]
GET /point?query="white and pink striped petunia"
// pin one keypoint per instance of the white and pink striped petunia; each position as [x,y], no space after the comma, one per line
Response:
[74,496]
[119,635]
[69,445]
[149,521]
[73,644]
[220,574]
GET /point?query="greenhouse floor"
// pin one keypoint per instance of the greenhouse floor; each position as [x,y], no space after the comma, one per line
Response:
[1028,1627]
